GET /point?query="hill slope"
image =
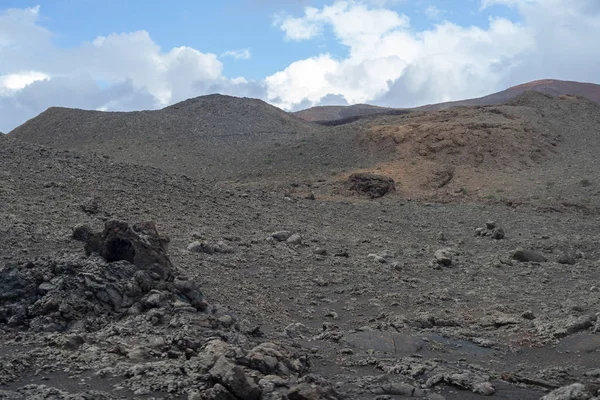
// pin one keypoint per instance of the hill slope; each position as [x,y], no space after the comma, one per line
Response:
[534,148]
[217,137]
[332,113]
[551,87]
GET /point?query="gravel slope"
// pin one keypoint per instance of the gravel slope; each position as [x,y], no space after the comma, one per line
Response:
[380,311]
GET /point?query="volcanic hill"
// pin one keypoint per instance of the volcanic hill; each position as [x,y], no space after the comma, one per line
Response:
[551,87]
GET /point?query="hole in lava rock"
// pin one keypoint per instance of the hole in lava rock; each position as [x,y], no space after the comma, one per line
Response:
[119,249]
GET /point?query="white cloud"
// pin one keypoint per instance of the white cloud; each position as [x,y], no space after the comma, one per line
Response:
[114,72]
[242,54]
[18,81]
[382,49]
[388,62]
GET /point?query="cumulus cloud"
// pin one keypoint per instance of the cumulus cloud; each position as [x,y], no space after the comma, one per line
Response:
[124,71]
[389,63]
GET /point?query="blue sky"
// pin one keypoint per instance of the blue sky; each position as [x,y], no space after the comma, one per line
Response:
[219,26]
[134,54]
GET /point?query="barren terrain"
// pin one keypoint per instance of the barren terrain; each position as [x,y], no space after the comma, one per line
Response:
[478,276]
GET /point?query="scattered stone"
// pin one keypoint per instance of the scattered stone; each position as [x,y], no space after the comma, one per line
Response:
[490,225]
[528,315]
[320,251]
[523,255]
[281,236]
[443,257]
[297,331]
[491,230]
[565,327]
[311,391]
[484,388]
[235,379]
[567,259]
[576,391]
[398,389]
[377,258]
[200,247]
[90,205]
[371,185]
[593,373]
[82,232]
[223,248]
[497,233]
[295,239]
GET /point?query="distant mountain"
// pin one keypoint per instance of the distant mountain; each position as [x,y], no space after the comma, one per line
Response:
[201,117]
[551,87]
[217,137]
[332,113]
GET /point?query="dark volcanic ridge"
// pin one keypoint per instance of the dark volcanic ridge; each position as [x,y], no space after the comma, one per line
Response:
[553,87]
[218,137]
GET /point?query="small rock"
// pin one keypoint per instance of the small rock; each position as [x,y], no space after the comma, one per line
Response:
[497,233]
[226,320]
[593,373]
[281,236]
[484,388]
[371,184]
[200,247]
[341,253]
[566,259]
[90,205]
[576,391]
[377,258]
[320,251]
[82,232]
[307,391]
[235,379]
[399,389]
[294,239]
[528,315]
[490,224]
[223,248]
[297,330]
[527,256]
[443,257]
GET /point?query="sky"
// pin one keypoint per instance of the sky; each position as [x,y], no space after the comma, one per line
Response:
[122,55]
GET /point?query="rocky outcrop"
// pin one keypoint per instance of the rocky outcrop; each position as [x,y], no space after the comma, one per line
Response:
[127,271]
[371,185]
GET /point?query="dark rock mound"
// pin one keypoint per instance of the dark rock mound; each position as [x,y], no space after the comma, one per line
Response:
[524,255]
[140,244]
[371,185]
[130,274]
